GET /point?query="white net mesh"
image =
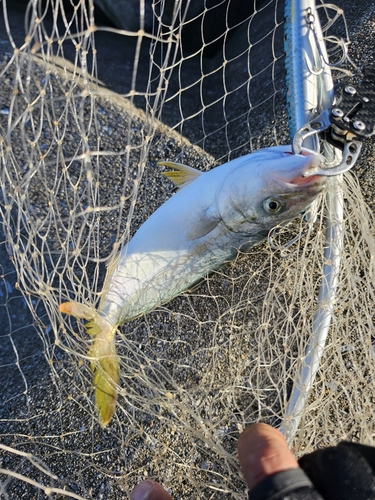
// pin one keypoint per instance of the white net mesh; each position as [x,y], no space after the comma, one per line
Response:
[85,114]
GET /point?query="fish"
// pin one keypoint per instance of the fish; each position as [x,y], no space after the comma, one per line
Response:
[213,216]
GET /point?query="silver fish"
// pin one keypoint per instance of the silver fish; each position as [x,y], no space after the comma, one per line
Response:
[212,216]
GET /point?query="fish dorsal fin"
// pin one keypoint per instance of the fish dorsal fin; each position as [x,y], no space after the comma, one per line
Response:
[182,175]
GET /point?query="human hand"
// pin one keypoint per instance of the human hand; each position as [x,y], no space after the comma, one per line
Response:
[262,451]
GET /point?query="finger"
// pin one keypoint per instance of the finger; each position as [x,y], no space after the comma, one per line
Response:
[149,490]
[263,451]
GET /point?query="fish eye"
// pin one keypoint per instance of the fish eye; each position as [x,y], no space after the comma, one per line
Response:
[272,206]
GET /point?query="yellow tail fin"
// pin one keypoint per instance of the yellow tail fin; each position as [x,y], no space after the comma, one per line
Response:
[104,363]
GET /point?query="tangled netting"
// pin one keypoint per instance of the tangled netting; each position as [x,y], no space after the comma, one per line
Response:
[87,109]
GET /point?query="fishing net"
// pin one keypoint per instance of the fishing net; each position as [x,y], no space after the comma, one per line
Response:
[87,109]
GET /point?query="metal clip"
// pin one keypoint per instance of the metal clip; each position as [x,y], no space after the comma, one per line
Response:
[318,124]
[350,147]
[350,155]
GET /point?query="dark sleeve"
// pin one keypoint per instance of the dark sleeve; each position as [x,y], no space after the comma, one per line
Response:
[343,472]
[292,484]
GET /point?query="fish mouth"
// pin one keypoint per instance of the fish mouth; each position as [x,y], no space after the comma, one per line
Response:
[303,182]
[302,186]
[308,186]
[309,176]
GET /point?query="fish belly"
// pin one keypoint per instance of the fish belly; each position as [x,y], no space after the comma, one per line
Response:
[142,281]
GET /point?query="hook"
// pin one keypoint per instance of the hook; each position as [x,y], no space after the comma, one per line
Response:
[315,72]
[310,21]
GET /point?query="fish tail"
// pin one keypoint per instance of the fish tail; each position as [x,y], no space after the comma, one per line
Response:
[104,359]
[105,366]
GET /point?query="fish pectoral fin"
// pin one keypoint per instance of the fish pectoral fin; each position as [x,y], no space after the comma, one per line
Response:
[182,175]
[203,228]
